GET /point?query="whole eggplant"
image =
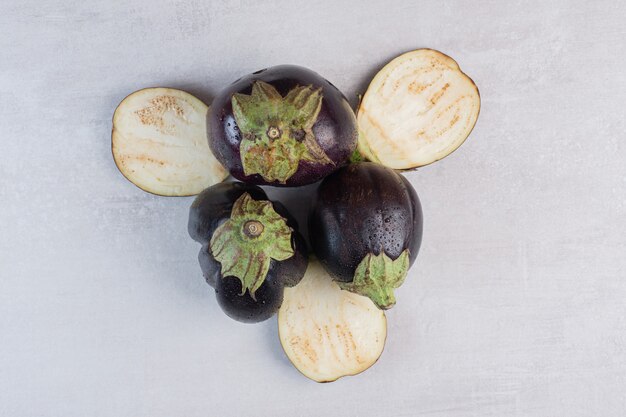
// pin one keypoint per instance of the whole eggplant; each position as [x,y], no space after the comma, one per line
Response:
[284,126]
[365,227]
[251,249]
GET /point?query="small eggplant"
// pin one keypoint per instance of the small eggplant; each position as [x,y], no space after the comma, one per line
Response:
[365,227]
[284,126]
[251,249]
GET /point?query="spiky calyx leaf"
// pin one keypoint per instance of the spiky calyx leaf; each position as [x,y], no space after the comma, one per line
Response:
[377,276]
[246,243]
[277,131]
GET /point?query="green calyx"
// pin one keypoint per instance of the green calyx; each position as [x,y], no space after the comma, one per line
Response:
[245,244]
[364,151]
[277,131]
[377,276]
[356,157]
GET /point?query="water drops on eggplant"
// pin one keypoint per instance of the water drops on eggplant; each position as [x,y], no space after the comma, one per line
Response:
[366,197]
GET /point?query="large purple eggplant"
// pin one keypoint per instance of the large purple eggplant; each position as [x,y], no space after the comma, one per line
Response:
[251,249]
[366,229]
[284,126]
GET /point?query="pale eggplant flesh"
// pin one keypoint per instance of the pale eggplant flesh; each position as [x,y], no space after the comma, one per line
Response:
[417,110]
[328,333]
[159,143]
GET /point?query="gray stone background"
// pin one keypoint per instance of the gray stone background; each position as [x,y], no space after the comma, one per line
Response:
[515,307]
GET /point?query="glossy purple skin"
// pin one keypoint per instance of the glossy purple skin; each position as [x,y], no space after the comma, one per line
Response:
[335,128]
[210,209]
[360,209]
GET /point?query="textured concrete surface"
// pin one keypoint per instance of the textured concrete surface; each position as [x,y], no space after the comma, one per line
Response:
[516,306]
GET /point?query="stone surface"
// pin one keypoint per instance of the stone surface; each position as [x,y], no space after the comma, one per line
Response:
[516,305]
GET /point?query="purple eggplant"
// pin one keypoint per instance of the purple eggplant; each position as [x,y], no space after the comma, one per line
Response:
[251,249]
[365,227]
[282,126]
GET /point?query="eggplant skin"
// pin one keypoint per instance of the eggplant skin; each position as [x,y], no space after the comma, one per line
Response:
[364,208]
[243,308]
[211,208]
[335,129]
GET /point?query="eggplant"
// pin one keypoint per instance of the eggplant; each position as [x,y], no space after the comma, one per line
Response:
[328,333]
[283,126]
[365,227]
[417,110]
[251,249]
[158,143]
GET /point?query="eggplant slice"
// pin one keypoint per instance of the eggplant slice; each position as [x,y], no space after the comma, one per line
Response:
[417,110]
[159,143]
[326,332]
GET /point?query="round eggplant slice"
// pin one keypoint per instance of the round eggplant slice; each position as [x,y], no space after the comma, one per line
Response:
[326,332]
[417,110]
[159,143]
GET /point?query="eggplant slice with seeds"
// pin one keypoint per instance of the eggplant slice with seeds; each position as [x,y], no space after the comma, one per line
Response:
[159,143]
[417,110]
[328,333]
